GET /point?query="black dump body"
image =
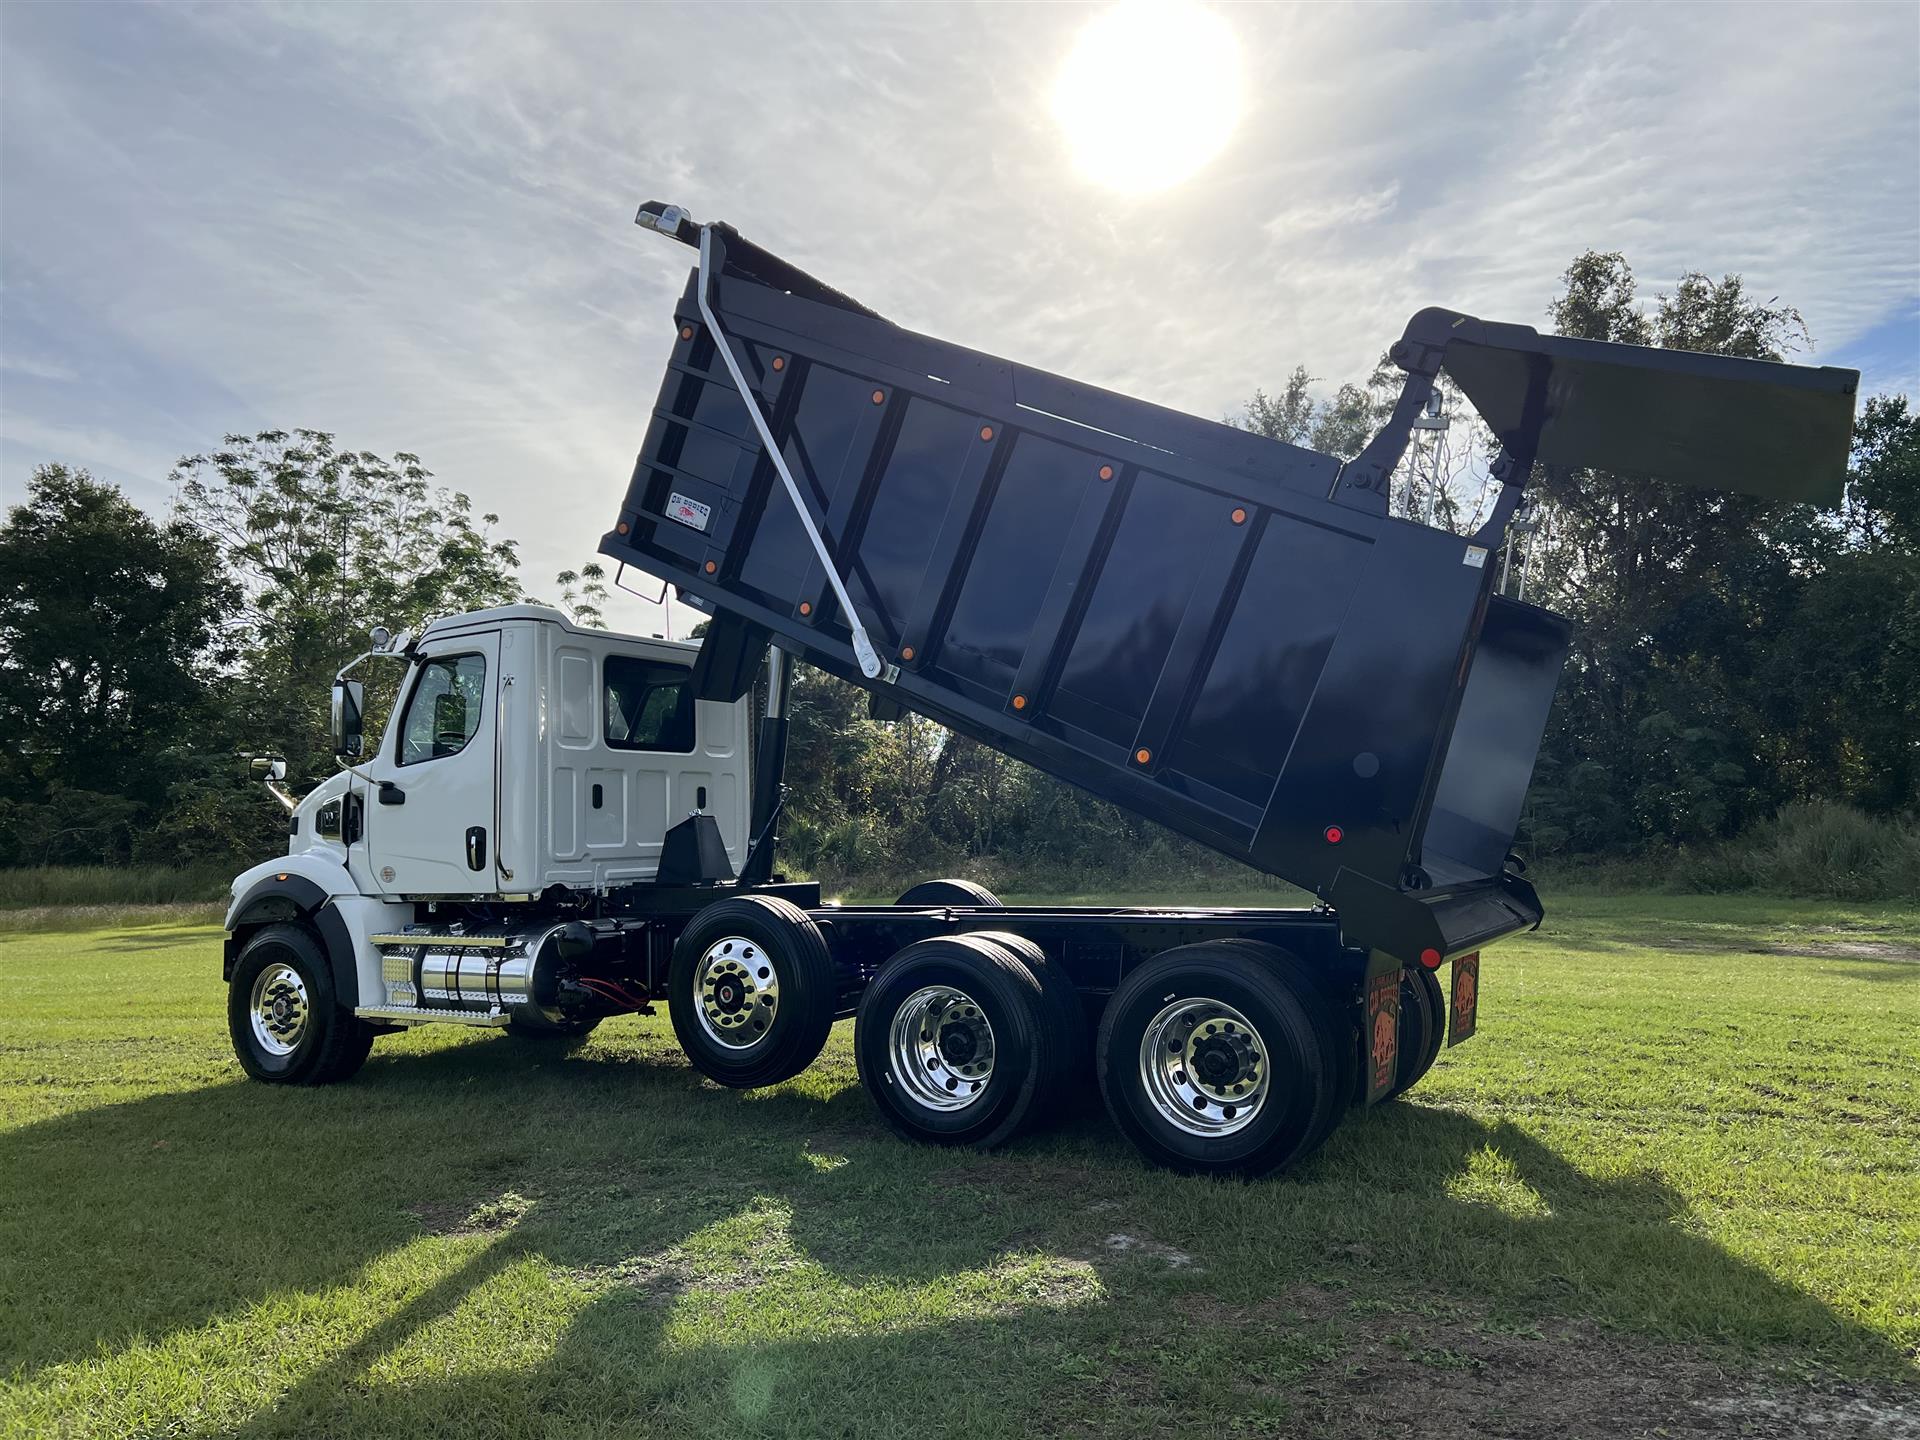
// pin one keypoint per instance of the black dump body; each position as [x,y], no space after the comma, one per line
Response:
[1224,633]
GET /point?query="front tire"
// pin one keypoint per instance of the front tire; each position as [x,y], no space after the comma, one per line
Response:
[283,1016]
[752,991]
[1221,1058]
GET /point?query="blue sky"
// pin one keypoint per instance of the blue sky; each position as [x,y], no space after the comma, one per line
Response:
[411,226]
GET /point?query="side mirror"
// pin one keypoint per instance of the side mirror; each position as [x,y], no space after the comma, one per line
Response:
[349,699]
[265,769]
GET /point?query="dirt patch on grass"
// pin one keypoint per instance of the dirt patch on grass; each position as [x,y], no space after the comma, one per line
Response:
[1897,951]
[1849,950]
[458,1218]
[1405,1377]
[1299,1304]
[1145,1247]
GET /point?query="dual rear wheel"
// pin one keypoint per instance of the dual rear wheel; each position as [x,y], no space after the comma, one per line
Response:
[969,1039]
[1219,1058]
[1224,1058]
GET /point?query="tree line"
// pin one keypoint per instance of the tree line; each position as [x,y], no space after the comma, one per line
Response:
[1732,656]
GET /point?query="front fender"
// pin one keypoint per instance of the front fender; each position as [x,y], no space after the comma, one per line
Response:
[296,888]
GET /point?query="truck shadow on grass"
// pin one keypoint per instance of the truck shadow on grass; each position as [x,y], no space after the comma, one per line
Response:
[778,1262]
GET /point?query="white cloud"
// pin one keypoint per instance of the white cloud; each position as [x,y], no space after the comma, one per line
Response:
[411,225]
[1334,213]
[37,369]
[107,454]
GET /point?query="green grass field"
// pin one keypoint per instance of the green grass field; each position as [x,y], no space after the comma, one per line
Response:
[1672,1187]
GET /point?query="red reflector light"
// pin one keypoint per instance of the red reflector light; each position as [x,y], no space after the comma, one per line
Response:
[1335,834]
[1430,958]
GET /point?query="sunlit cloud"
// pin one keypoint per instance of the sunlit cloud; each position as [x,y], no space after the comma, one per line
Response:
[412,225]
[1149,93]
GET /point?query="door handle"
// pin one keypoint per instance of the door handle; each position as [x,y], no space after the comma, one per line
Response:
[392,794]
[477,847]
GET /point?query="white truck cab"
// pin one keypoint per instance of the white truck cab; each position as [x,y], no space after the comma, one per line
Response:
[525,752]
[530,768]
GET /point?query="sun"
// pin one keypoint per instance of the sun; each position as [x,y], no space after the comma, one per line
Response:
[1149,94]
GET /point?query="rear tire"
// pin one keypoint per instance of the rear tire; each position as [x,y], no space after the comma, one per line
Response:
[1222,1058]
[1423,1027]
[766,987]
[961,894]
[1069,1088]
[283,1016]
[957,1043]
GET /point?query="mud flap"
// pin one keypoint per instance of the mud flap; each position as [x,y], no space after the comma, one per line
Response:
[1463,1009]
[1380,1036]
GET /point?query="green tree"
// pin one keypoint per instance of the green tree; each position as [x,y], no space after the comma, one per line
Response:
[1843,668]
[1696,696]
[583,594]
[111,637]
[326,543]
[1438,468]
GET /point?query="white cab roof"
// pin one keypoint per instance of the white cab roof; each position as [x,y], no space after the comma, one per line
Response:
[543,614]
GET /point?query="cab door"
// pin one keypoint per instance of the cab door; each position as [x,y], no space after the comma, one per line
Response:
[430,811]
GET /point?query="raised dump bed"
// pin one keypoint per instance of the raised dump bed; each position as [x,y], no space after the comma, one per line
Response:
[1222,632]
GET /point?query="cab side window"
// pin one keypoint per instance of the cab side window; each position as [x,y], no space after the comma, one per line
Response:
[443,712]
[649,705]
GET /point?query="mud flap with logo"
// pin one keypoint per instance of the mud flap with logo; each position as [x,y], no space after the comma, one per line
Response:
[1381,1034]
[1463,1010]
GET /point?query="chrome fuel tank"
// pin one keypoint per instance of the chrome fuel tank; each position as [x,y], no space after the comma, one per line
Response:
[499,971]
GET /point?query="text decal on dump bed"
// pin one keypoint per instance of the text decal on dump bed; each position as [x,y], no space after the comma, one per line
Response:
[688,512]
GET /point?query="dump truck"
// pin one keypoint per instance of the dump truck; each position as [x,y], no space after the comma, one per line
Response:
[1223,633]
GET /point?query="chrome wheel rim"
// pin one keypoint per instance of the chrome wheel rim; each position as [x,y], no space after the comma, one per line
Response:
[941,1047]
[737,992]
[279,1009]
[1204,1068]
